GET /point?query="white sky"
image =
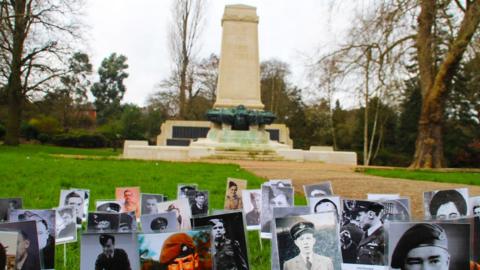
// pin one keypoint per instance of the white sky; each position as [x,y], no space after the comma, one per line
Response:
[289,30]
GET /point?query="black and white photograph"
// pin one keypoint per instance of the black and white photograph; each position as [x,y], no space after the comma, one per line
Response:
[229,239]
[396,209]
[86,201]
[279,213]
[149,203]
[66,227]
[127,222]
[182,190]
[474,203]
[198,200]
[99,222]
[318,190]
[362,235]
[76,199]
[181,208]
[233,194]
[326,204]
[252,205]
[8,204]
[446,204]
[438,245]
[28,256]
[382,196]
[45,224]
[273,197]
[8,249]
[109,251]
[110,206]
[308,242]
[159,223]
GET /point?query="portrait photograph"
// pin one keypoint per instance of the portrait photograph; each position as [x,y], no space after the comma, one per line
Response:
[183,189]
[45,224]
[273,197]
[362,234]
[127,222]
[252,205]
[182,210]
[412,244]
[86,201]
[103,222]
[149,203]
[76,199]
[129,198]
[279,212]
[396,209]
[192,248]
[117,251]
[110,206]
[66,227]
[474,203]
[317,190]
[8,249]
[308,242]
[159,223]
[229,239]
[446,204]
[233,194]
[198,200]
[7,204]
[28,256]
[325,204]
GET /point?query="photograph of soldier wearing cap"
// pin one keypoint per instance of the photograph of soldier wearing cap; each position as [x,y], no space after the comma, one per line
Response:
[230,249]
[446,204]
[162,222]
[363,218]
[435,246]
[308,242]
[103,222]
[112,251]
[183,189]
[108,206]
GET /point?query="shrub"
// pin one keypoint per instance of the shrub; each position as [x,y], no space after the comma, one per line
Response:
[80,139]
[45,124]
[28,131]
[2,131]
[43,138]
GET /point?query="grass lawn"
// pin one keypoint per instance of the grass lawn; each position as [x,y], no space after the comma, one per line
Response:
[468,178]
[35,174]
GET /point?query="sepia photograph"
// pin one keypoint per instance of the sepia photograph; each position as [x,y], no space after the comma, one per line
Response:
[75,199]
[446,204]
[273,197]
[109,251]
[229,239]
[176,250]
[440,245]
[129,198]
[66,227]
[45,224]
[8,204]
[149,203]
[198,200]
[182,210]
[99,222]
[159,223]
[109,206]
[252,203]
[308,242]
[318,190]
[183,189]
[233,195]
[362,235]
[28,255]
[8,249]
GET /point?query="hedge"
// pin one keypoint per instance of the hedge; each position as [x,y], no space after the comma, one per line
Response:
[83,140]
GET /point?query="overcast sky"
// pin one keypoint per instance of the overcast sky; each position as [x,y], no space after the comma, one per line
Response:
[289,30]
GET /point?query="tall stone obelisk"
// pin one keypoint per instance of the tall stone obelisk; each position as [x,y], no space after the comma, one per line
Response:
[239,70]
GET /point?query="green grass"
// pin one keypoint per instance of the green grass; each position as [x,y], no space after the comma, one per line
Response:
[35,174]
[468,178]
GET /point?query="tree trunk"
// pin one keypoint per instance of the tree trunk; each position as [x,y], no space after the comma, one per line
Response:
[365,116]
[14,85]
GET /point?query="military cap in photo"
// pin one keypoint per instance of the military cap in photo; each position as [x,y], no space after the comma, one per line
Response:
[420,235]
[158,222]
[175,246]
[300,228]
[109,207]
[365,206]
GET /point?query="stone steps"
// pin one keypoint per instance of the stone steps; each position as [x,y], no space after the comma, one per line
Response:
[246,155]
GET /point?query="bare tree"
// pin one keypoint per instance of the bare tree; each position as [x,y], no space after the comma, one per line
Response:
[186,25]
[34,39]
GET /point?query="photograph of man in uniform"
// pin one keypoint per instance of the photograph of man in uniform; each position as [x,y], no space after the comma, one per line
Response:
[371,248]
[108,206]
[436,246]
[178,253]
[129,199]
[74,199]
[253,200]
[163,222]
[233,196]
[111,258]
[103,222]
[183,189]
[446,204]
[149,203]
